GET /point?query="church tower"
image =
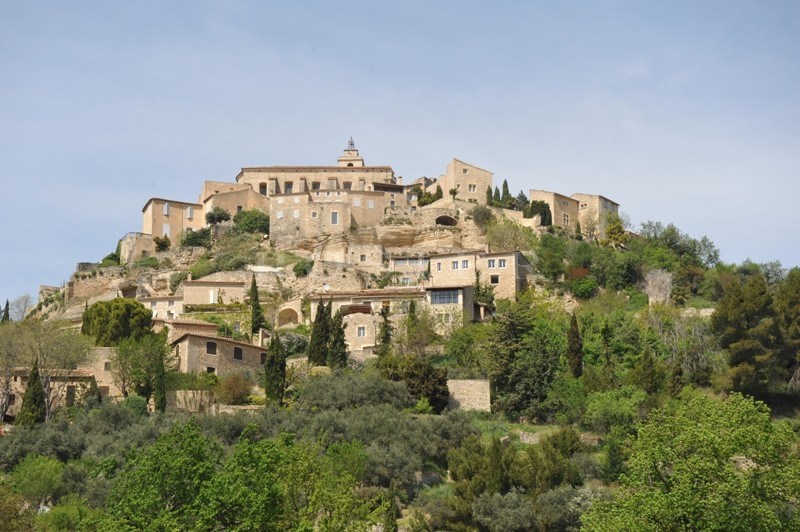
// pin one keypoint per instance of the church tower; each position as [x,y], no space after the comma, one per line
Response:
[351,156]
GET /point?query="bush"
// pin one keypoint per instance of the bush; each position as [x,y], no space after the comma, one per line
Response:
[202,268]
[303,267]
[176,279]
[346,390]
[162,243]
[616,408]
[235,388]
[482,216]
[136,404]
[585,288]
[421,378]
[217,215]
[252,222]
[201,237]
[147,262]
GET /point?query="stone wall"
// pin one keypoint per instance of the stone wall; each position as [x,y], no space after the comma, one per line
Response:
[469,395]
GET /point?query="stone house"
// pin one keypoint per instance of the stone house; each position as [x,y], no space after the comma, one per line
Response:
[593,214]
[470,181]
[164,307]
[563,208]
[198,353]
[170,218]
[204,292]
[506,272]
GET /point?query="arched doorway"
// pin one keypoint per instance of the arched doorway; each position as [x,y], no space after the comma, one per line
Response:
[287,316]
[446,220]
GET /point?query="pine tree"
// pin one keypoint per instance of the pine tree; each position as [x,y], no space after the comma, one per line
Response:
[320,336]
[33,408]
[275,371]
[575,348]
[337,349]
[506,198]
[257,315]
[384,340]
[160,385]
[6,314]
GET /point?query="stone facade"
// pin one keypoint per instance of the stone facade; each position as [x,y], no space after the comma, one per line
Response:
[203,292]
[237,201]
[563,208]
[164,307]
[593,211]
[470,181]
[211,354]
[170,218]
[507,272]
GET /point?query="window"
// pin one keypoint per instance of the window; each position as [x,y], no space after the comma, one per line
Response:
[472,188]
[438,266]
[211,348]
[288,187]
[152,304]
[70,395]
[170,314]
[239,209]
[263,358]
[166,209]
[297,199]
[313,214]
[362,331]
[279,215]
[237,353]
[454,265]
[356,202]
[494,279]
[107,366]
[371,203]
[211,369]
[171,303]
[315,185]
[165,230]
[189,213]
[400,262]
[464,264]
[262,189]
[464,171]
[237,326]
[296,213]
[444,297]
[566,219]
[501,263]
[12,399]
[391,203]
[363,258]
[491,263]
[334,218]
[348,185]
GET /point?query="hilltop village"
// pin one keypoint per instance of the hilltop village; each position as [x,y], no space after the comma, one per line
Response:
[368,239]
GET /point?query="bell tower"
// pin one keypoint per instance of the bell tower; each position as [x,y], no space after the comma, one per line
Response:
[351,156]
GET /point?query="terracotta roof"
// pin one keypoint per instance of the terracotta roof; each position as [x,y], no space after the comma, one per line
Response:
[214,338]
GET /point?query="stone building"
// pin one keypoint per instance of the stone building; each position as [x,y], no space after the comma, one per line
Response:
[470,181]
[563,208]
[164,307]
[593,212]
[170,218]
[206,292]
[197,353]
[506,272]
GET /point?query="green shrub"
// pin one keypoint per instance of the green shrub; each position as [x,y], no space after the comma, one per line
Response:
[234,388]
[176,279]
[252,222]
[162,243]
[482,216]
[136,404]
[202,268]
[303,267]
[217,215]
[585,288]
[146,262]
[201,237]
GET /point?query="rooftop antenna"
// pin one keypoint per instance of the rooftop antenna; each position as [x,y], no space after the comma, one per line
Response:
[350,144]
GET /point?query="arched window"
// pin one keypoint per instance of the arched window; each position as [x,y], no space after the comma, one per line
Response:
[237,353]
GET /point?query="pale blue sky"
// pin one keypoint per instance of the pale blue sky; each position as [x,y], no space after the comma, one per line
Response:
[683,112]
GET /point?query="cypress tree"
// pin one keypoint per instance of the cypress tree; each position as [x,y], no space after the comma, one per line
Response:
[506,197]
[575,348]
[384,340]
[489,199]
[160,385]
[6,314]
[439,194]
[578,231]
[496,199]
[275,371]
[320,336]
[337,349]
[33,408]
[256,314]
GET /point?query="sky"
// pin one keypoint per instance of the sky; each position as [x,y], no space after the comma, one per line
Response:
[684,112]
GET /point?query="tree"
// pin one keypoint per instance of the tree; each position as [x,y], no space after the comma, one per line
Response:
[253,221]
[197,238]
[420,377]
[162,243]
[217,215]
[38,479]
[6,315]
[551,252]
[520,201]
[140,364]
[543,210]
[385,330]
[337,348]
[320,335]
[496,201]
[11,357]
[257,319]
[578,231]
[506,199]
[108,322]
[453,192]
[275,371]
[507,235]
[616,236]
[747,327]
[575,348]
[417,330]
[707,465]
[787,306]
[158,487]
[33,409]
[55,347]
[489,198]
